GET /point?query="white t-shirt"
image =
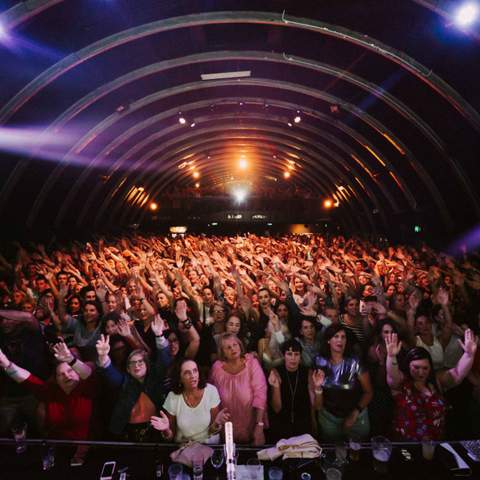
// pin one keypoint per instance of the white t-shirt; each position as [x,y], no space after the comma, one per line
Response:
[435,350]
[193,423]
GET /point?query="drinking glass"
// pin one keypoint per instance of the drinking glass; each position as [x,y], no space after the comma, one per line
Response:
[340,454]
[382,449]
[175,471]
[217,460]
[254,467]
[19,432]
[197,467]
[355,447]
[334,474]
[428,449]
[275,473]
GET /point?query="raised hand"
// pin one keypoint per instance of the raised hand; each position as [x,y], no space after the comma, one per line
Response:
[4,361]
[274,379]
[318,378]
[470,343]
[103,346]
[414,300]
[181,310]
[222,417]
[123,327]
[62,352]
[157,325]
[161,423]
[392,344]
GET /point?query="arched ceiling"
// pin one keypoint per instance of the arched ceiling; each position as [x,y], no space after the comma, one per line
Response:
[91,93]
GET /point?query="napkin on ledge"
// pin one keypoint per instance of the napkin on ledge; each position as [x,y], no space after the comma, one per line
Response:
[302,446]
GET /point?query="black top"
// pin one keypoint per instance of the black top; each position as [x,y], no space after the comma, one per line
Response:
[295,416]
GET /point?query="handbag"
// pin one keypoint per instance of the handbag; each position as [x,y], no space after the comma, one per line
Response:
[189,451]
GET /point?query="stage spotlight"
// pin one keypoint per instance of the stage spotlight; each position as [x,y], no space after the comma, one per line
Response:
[153,206]
[297,118]
[243,164]
[286,174]
[197,185]
[182,120]
[196,175]
[240,195]
[290,124]
[3,32]
[466,14]
[327,203]
[192,124]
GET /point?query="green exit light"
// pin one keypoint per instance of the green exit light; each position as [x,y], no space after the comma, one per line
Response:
[417,228]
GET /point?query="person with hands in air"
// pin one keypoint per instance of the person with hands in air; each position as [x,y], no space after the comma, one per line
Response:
[192,407]
[68,399]
[142,387]
[418,393]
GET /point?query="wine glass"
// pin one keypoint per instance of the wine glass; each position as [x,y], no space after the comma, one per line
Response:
[217,460]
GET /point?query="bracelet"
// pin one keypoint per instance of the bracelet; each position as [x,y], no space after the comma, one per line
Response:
[394,363]
[73,361]
[319,391]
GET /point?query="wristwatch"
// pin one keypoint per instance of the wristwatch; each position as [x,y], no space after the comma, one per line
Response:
[72,361]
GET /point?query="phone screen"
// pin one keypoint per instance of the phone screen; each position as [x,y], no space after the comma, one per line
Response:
[108,469]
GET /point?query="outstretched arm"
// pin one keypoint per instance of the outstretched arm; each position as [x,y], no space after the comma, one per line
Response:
[455,375]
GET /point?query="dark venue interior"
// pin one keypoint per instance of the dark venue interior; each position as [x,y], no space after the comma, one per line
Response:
[239,158]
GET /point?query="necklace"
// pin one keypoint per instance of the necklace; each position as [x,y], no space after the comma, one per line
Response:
[293,391]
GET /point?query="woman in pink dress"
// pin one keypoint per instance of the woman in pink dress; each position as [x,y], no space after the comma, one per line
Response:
[242,387]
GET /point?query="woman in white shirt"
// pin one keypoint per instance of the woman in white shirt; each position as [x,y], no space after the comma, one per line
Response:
[192,408]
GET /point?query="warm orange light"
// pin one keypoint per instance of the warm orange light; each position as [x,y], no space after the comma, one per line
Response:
[197,185]
[243,164]
[196,175]
[286,174]
[153,206]
[327,203]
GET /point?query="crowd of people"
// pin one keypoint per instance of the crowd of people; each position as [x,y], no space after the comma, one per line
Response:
[166,339]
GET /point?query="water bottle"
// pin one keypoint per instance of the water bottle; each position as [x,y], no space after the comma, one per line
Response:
[48,460]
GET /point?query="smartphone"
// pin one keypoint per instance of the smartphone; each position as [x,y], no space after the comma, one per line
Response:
[108,470]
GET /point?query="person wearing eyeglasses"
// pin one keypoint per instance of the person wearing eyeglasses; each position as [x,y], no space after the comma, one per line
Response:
[142,390]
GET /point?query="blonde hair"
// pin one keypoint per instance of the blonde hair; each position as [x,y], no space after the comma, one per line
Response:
[221,339]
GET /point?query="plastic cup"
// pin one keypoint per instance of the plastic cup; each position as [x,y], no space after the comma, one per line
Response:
[275,473]
[19,432]
[334,474]
[428,449]
[382,450]
[197,467]
[355,447]
[175,471]
[341,454]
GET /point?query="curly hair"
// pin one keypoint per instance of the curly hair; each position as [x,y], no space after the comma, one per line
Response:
[177,386]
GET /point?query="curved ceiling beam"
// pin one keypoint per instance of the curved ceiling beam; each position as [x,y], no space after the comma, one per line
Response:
[141,103]
[241,17]
[353,214]
[309,157]
[218,56]
[23,11]
[164,146]
[262,137]
[187,136]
